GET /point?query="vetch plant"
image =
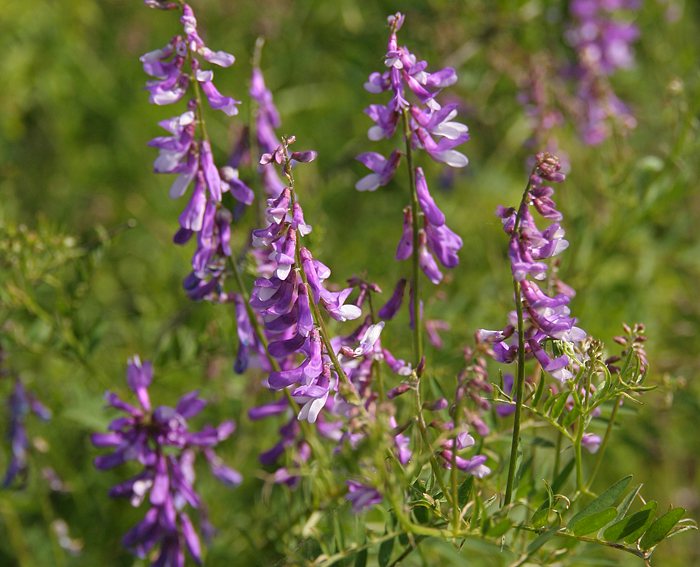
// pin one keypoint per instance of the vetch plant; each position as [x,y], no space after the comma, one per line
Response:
[403,442]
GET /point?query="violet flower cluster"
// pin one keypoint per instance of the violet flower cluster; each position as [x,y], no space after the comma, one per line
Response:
[21,404]
[283,300]
[430,127]
[603,42]
[161,441]
[186,152]
[547,318]
[288,301]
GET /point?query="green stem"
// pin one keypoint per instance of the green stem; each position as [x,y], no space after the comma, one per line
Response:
[376,366]
[456,512]
[406,552]
[518,396]
[633,550]
[347,553]
[557,456]
[520,381]
[309,432]
[423,428]
[579,456]
[346,386]
[415,266]
[604,444]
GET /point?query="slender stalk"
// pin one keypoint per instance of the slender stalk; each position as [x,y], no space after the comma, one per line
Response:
[406,552]
[520,380]
[557,456]
[376,366]
[423,428]
[415,267]
[456,512]
[579,457]
[309,432]
[415,287]
[518,396]
[561,533]
[354,550]
[604,443]
[346,386]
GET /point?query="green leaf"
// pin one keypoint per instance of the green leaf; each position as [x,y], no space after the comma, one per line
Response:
[631,524]
[605,500]
[361,558]
[593,522]
[500,528]
[539,518]
[637,533]
[522,469]
[542,442]
[421,513]
[563,476]
[571,417]
[385,550]
[540,540]
[464,491]
[660,528]
[539,392]
[558,406]
[624,506]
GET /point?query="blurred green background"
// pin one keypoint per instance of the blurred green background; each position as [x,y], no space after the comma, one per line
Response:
[90,276]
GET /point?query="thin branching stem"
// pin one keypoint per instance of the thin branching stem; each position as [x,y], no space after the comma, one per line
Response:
[415,266]
[520,380]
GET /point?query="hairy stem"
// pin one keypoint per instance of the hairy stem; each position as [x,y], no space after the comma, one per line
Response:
[376,366]
[423,428]
[415,267]
[520,380]
[604,443]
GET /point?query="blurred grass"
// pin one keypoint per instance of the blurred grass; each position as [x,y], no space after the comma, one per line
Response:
[73,129]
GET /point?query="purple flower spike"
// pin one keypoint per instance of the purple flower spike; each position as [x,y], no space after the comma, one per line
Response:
[429,127]
[186,152]
[161,441]
[546,317]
